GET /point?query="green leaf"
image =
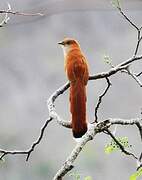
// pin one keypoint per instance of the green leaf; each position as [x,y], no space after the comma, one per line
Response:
[75,175]
[112,146]
[116,3]
[88,178]
[136,174]
[107,60]
[109,149]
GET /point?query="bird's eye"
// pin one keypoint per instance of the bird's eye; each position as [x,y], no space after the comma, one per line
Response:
[68,42]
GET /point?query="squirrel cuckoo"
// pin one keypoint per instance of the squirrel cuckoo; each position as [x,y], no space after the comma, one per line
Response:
[76,68]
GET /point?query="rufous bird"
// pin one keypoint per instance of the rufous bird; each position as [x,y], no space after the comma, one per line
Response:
[76,67]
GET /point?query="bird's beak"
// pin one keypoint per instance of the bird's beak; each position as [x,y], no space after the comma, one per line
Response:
[61,43]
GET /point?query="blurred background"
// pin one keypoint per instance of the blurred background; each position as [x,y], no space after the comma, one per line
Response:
[31,69]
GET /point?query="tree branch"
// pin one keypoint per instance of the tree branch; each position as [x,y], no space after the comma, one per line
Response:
[136,121]
[138,42]
[20,13]
[9,11]
[139,74]
[6,18]
[135,77]
[138,29]
[94,129]
[52,115]
[39,138]
[51,106]
[100,99]
[68,164]
[127,19]
[120,145]
[27,152]
[117,68]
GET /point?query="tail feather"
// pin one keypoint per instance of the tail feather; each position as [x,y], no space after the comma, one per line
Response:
[78,108]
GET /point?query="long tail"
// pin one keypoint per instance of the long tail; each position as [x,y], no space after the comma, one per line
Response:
[78,108]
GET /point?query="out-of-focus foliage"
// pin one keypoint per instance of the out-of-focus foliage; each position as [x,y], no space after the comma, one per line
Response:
[107,60]
[112,146]
[116,3]
[77,176]
[88,178]
[137,174]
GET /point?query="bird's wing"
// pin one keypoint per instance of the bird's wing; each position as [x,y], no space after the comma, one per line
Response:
[80,69]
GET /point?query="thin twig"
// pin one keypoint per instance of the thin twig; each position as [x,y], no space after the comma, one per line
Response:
[128,122]
[39,138]
[129,61]
[20,13]
[139,126]
[100,99]
[140,158]
[9,11]
[109,73]
[138,42]
[139,37]
[122,66]
[136,122]
[6,18]
[134,77]
[51,111]
[27,152]
[126,17]
[139,74]
[120,145]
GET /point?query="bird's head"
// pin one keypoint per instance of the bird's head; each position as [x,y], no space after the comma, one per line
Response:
[69,44]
